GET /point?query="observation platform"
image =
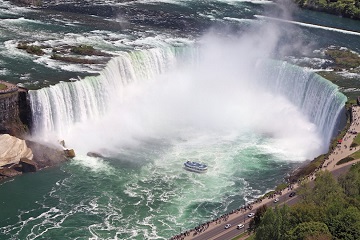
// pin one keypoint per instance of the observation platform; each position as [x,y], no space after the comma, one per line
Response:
[9,87]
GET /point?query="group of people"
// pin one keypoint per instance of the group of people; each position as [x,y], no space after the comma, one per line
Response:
[219,220]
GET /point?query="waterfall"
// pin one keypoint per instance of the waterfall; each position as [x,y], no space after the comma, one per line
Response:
[316,97]
[58,107]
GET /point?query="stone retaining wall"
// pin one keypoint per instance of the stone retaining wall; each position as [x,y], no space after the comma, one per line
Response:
[11,109]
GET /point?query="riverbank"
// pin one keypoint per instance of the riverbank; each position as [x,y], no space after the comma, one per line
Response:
[20,156]
[342,150]
[348,9]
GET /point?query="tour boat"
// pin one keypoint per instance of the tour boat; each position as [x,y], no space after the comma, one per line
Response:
[195,167]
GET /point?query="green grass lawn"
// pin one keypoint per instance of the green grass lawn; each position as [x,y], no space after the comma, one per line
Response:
[3,86]
[356,141]
[355,155]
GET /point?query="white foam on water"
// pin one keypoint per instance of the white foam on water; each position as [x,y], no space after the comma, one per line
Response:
[8,8]
[22,21]
[349,74]
[242,20]
[4,71]
[310,25]
[97,165]
[351,89]
[12,50]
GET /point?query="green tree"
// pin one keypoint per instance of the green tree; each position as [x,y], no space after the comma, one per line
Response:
[274,224]
[325,190]
[351,183]
[309,230]
[267,229]
[254,223]
[302,212]
[345,225]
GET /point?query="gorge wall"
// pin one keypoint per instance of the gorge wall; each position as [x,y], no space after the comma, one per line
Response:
[15,112]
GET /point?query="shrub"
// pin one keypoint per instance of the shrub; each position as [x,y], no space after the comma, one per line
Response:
[83,50]
[32,49]
[3,86]
[343,58]
[345,160]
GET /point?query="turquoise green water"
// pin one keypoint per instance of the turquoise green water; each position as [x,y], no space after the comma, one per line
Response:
[139,190]
[143,192]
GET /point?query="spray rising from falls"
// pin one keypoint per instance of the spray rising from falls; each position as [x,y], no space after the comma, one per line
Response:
[197,95]
[316,97]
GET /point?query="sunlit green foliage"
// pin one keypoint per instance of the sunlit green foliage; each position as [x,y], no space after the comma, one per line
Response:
[345,8]
[313,230]
[343,58]
[32,49]
[327,210]
[83,50]
[254,223]
[3,86]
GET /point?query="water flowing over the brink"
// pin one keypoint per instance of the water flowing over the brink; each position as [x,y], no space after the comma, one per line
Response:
[318,98]
[58,107]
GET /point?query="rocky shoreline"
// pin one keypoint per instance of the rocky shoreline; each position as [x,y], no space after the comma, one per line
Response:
[20,156]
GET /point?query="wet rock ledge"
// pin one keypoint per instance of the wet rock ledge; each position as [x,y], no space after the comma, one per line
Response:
[19,156]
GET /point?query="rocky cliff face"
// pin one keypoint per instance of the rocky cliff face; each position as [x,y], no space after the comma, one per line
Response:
[15,112]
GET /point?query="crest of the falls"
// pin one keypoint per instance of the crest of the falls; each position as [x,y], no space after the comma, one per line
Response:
[56,109]
[316,97]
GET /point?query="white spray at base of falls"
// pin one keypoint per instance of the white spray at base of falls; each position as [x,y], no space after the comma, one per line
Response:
[149,93]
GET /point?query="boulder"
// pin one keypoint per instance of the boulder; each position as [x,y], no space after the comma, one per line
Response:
[62,143]
[12,149]
[17,167]
[70,153]
[9,172]
[28,165]
[46,155]
[94,154]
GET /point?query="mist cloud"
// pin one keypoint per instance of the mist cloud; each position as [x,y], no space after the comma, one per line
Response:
[218,95]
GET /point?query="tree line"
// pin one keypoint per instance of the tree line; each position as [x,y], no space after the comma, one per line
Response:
[330,209]
[345,8]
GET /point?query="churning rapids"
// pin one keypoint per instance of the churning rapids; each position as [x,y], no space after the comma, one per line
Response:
[222,100]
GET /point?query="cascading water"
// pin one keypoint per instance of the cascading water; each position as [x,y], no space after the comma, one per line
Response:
[316,97]
[57,108]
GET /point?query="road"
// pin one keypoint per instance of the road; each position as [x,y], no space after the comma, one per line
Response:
[220,233]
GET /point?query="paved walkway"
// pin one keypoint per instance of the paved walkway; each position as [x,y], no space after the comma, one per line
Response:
[341,151]
[9,87]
